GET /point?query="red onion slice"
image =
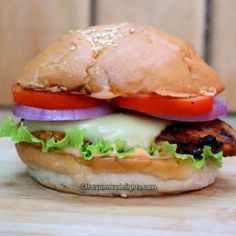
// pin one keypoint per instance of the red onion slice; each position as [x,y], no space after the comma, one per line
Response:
[31,113]
[219,109]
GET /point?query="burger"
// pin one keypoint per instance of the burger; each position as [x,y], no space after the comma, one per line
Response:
[120,110]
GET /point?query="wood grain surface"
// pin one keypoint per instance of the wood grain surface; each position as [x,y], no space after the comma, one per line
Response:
[223,48]
[27,27]
[182,18]
[27,208]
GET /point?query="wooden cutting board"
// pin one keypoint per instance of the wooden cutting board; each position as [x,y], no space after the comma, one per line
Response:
[27,208]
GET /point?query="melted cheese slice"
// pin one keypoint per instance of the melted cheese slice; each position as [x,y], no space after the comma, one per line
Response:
[135,129]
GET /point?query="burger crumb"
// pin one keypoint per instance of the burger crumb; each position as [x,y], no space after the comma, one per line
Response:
[132,30]
[124,195]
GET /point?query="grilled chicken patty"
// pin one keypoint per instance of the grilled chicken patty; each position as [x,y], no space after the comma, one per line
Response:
[192,137]
[46,135]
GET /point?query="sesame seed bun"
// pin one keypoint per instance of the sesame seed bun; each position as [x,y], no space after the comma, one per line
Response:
[65,172]
[113,60]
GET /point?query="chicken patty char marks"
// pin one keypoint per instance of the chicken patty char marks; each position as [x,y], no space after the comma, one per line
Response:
[192,137]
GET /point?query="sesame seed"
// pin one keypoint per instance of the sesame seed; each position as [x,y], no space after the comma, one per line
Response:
[64,89]
[102,39]
[132,30]
[73,47]
[54,89]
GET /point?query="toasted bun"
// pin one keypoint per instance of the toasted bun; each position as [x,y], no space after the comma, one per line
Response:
[112,60]
[67,173]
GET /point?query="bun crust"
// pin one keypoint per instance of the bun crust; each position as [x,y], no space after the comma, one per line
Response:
[67,173]
[113,60]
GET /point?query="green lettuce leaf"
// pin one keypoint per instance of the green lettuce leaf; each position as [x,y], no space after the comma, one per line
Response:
[168,149]
[18,132]
[8,128]
[75,138]
[198,163]
[122,149]
[154,149]
[216,158]
[99,147]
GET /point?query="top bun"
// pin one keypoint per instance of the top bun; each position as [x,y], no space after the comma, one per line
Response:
[119,59]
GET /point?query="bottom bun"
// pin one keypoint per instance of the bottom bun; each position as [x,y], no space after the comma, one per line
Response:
[67,173]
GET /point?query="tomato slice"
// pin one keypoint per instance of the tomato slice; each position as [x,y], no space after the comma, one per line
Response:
[165,104]
[49,100]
